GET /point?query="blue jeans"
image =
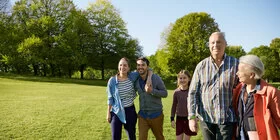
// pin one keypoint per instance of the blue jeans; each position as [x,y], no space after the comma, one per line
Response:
[130,126]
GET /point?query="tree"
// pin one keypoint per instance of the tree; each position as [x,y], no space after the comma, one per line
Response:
[10,36]
[235,51]
[110,35]
[186,44]
[275,47]
[76,43]
[164,35]
[268,57]
[44,20]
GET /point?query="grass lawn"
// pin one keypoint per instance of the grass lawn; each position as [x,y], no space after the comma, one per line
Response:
[55,108]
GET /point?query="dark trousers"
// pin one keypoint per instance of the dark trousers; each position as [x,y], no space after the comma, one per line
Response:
[130,126]
[212,131]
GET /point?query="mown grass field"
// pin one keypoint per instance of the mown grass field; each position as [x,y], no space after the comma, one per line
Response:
[55,108]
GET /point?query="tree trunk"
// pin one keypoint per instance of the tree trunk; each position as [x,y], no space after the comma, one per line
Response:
[35,68]
[82,67]
[69,73]
[45,70]
[102,68]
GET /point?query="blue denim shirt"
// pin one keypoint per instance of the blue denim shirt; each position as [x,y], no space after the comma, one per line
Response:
[114,96]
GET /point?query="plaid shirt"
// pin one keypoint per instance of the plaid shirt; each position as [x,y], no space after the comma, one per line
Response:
[210,93]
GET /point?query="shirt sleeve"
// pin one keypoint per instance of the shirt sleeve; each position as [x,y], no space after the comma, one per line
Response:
[133,76]
[194,90]
[174,105]
[109,91]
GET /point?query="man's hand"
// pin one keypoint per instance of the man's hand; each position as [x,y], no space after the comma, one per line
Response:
[148,88]
[193,125]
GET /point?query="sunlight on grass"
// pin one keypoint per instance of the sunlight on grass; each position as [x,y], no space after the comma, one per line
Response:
[32,109]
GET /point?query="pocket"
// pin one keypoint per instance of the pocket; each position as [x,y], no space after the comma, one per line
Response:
[251,123]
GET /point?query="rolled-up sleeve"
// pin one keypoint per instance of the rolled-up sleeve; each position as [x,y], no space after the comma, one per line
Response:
[110,91]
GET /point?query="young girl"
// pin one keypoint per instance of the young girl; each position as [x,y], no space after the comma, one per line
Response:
[179,107]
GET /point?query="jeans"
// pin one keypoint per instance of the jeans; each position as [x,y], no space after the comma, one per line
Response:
[130,126]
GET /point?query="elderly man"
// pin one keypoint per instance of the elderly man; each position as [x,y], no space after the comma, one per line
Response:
[256,103]
[210,93]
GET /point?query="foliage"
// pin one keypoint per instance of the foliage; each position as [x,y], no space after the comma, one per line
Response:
[53,38]
[235,51]
[91,73]
[187,39]
[113,41]
[185,46]
[269,59]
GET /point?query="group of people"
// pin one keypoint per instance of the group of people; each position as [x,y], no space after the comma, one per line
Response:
[121,92]
[225,95]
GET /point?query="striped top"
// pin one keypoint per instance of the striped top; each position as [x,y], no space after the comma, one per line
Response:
[210,92]
[127,93]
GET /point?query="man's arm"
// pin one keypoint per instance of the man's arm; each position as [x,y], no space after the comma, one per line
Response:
[158,88]
[193,91]
[192,101]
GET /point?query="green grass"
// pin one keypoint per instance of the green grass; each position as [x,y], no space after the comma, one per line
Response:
[54,108]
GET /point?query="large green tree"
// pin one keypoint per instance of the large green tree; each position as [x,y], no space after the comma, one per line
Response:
[44,20]
[187,41]
[110,33]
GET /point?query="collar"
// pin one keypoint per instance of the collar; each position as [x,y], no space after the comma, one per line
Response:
[262,87]
[257,88]
[224,58]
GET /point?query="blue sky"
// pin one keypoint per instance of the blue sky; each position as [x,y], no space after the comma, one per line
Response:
[249,23]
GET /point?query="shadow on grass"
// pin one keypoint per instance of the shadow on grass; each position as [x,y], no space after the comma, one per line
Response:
[54,79]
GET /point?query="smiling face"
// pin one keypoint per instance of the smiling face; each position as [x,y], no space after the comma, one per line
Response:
[217,45]
[183,80]
[142,67]
[123,66]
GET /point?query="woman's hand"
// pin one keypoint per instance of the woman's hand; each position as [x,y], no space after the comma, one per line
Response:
[109,119]
[173,124]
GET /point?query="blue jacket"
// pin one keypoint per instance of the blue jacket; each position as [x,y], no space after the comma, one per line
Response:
[114,96]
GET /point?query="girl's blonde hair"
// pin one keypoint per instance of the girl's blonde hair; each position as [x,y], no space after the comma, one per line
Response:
[186,72]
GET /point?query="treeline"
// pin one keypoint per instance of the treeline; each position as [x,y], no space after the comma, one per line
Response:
[185,43]
[54,38]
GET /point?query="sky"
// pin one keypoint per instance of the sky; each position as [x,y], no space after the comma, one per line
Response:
[248,23]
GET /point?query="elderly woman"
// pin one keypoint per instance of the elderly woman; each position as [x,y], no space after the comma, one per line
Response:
[256,103]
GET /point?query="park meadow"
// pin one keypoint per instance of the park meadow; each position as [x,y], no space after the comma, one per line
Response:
[57,108]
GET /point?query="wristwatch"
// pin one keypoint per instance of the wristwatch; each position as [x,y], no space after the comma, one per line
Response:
[192,117]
